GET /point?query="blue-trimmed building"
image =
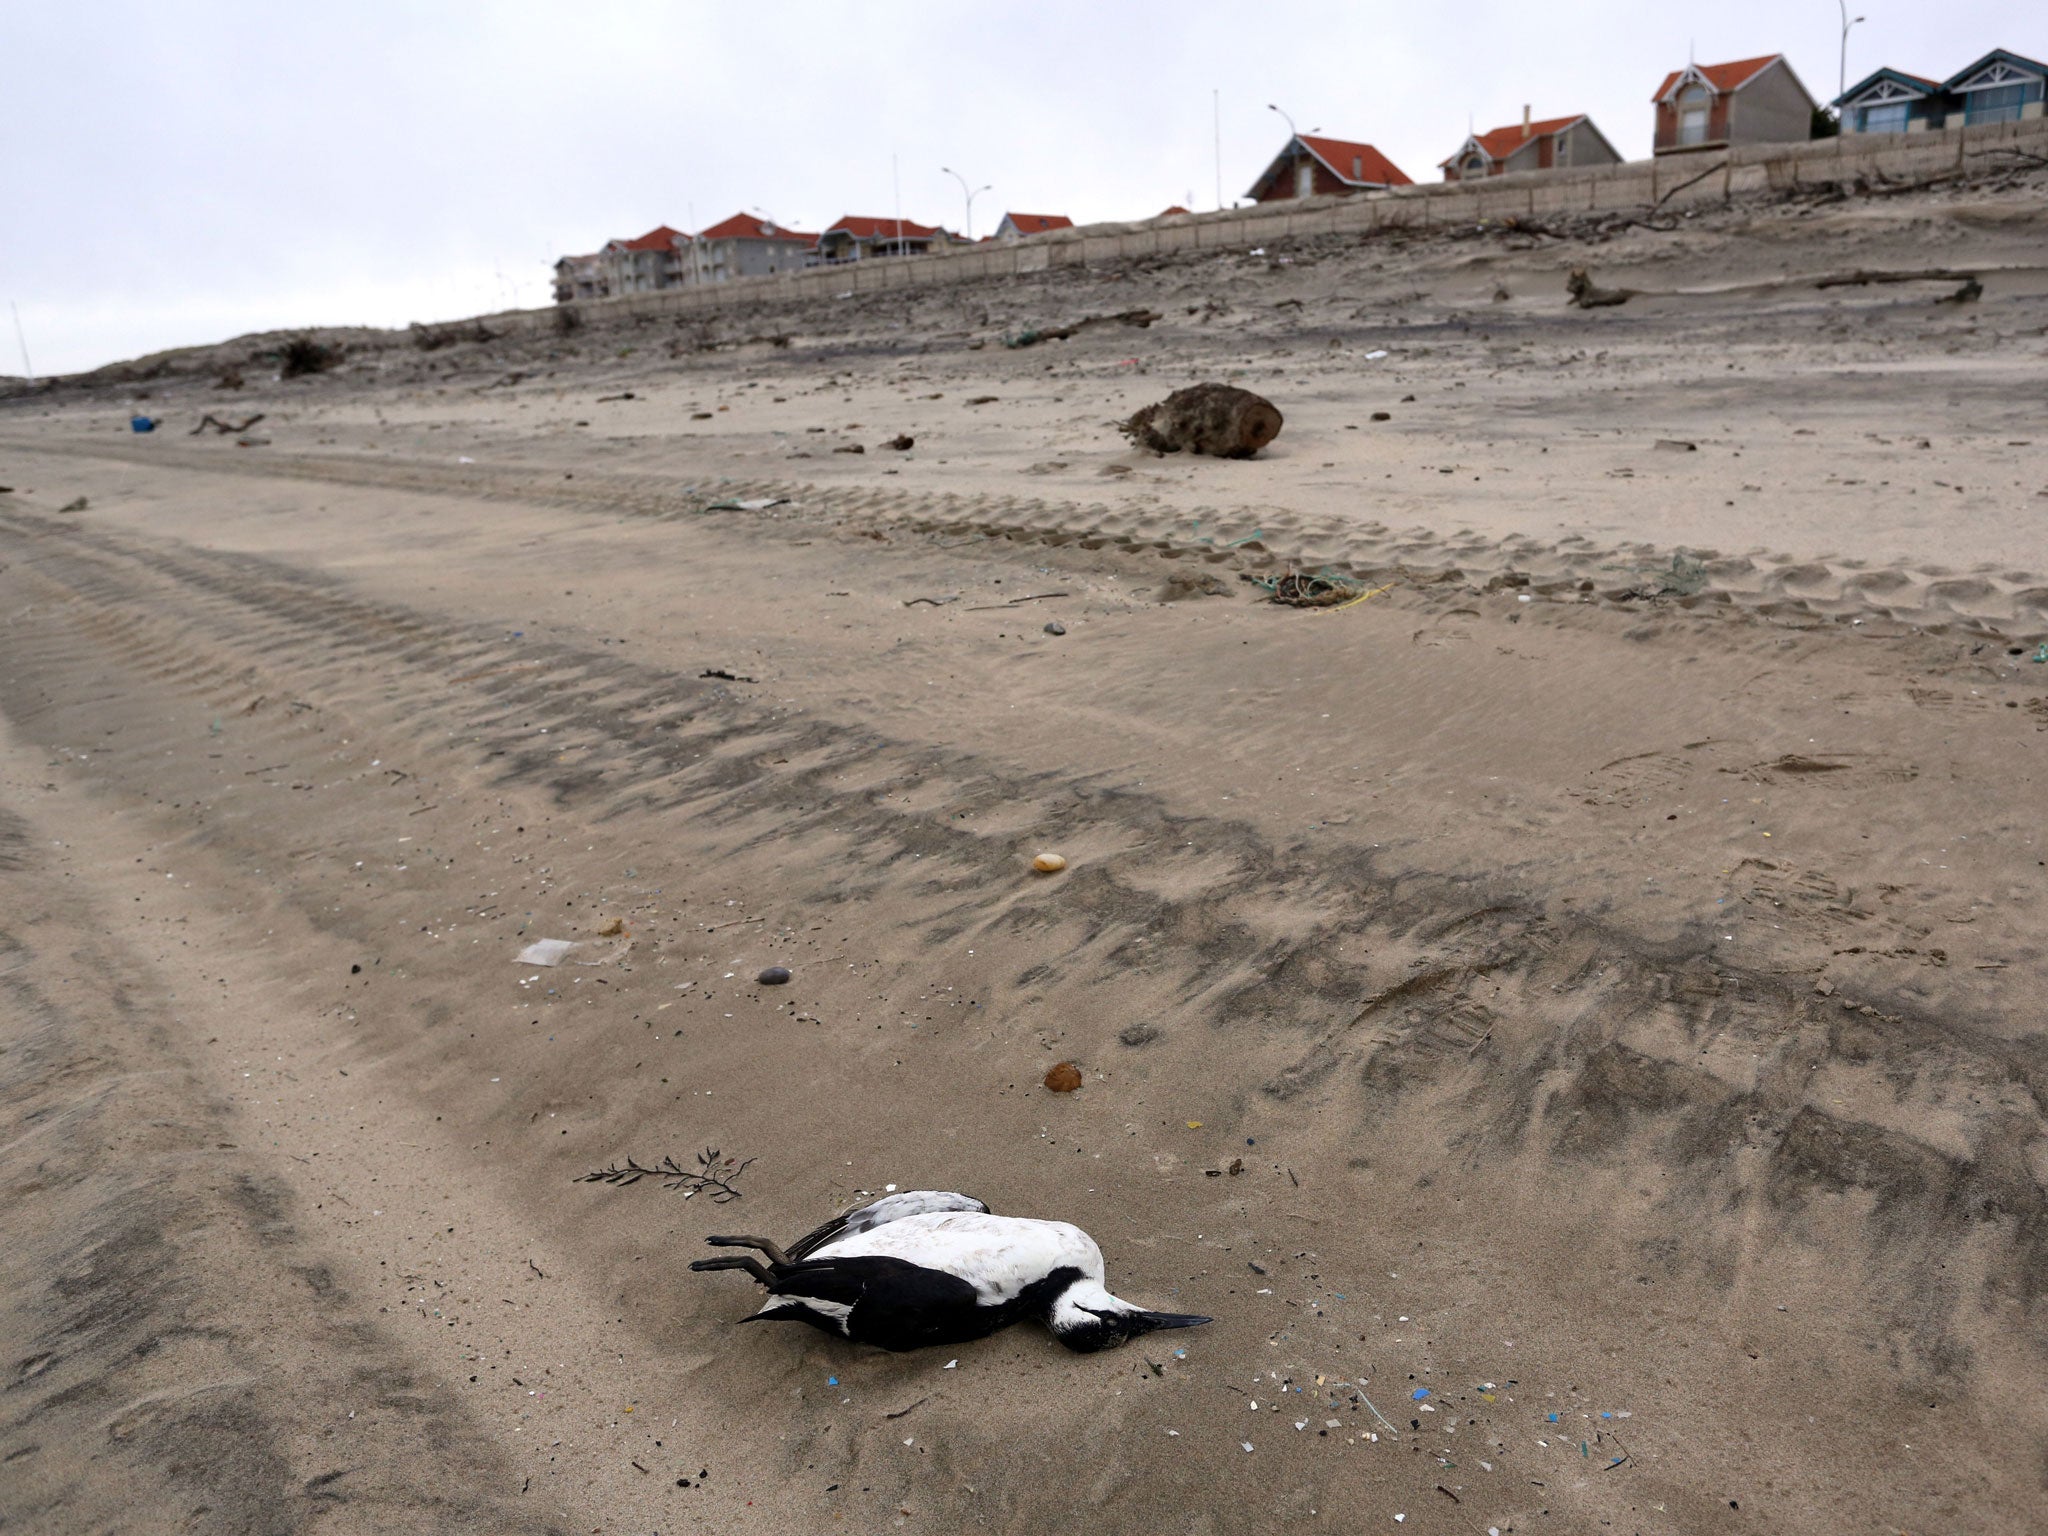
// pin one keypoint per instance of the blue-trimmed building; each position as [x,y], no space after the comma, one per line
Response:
[1892,101]
[2001,87]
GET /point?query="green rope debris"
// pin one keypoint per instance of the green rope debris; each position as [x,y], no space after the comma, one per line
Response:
[1301,589]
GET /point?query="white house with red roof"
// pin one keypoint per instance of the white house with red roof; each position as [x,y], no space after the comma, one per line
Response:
[1751,101]
[859,237]
[641,265]
[746,245]
[1313,166]
[1530,145]
[1016,226]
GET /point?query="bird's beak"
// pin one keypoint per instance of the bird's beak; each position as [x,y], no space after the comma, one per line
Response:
[1148,1321]
[1136,1321]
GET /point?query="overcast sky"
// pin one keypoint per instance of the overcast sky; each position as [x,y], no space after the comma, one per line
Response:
[177,172]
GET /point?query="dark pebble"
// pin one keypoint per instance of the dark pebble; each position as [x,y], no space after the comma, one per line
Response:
[1055,628]
[774,976]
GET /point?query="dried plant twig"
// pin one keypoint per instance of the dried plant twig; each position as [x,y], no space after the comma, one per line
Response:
[713,1175]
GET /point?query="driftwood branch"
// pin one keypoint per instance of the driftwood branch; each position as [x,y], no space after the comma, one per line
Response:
[225,428]
[1586,294]
[1141,318]
[1689,181]
[1862,277]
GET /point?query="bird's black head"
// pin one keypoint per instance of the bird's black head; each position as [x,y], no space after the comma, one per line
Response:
[1087,1319]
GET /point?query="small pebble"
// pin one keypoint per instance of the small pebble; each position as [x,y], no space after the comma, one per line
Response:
[1064,1078]
[1055,627]
[774,976]
[1048,863]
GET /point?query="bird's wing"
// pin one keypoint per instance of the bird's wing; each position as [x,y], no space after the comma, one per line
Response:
[881,1300]
[837,1282]
[865,1218]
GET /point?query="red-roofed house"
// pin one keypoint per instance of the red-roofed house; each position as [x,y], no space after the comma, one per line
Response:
[1752,101]
[856,237]
[1174,212]
[1531,146]
[1312,166]
[746,245]
[653,260]
[1017,225]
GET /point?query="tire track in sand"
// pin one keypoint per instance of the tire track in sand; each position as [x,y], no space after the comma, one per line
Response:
[1547,1036]
[1995,603]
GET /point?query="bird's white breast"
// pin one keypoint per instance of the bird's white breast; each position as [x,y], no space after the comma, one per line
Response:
[997,1255]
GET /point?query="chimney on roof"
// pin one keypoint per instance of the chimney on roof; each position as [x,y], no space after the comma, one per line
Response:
[1525,119]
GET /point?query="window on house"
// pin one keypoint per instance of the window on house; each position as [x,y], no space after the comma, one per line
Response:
[1358,167]
[1304,178]
[1693,103]
[1999,104]
[1475,165]
[1890,117]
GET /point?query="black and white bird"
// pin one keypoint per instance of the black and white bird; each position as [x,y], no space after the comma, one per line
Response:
[931,1267]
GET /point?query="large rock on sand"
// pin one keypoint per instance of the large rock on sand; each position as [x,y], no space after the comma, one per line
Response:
[1217,419]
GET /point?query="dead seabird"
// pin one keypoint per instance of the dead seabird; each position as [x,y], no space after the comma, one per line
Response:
[930,1267]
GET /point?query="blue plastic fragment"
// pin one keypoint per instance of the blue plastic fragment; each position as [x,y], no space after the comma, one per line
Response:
[1606,1415]
[1553,1418]
[831,1381]
[1419,1394]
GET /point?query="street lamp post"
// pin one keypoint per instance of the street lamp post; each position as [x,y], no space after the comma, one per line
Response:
[1842,74]
[1292,131]
[969,195]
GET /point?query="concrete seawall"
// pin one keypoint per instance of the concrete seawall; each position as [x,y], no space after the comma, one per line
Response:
[1675,181]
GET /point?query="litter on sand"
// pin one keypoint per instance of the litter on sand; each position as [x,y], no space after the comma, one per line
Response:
[1323,589]
[751,504]
[570,951]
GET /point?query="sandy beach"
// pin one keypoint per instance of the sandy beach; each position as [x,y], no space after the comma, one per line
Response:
[1573,1018]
